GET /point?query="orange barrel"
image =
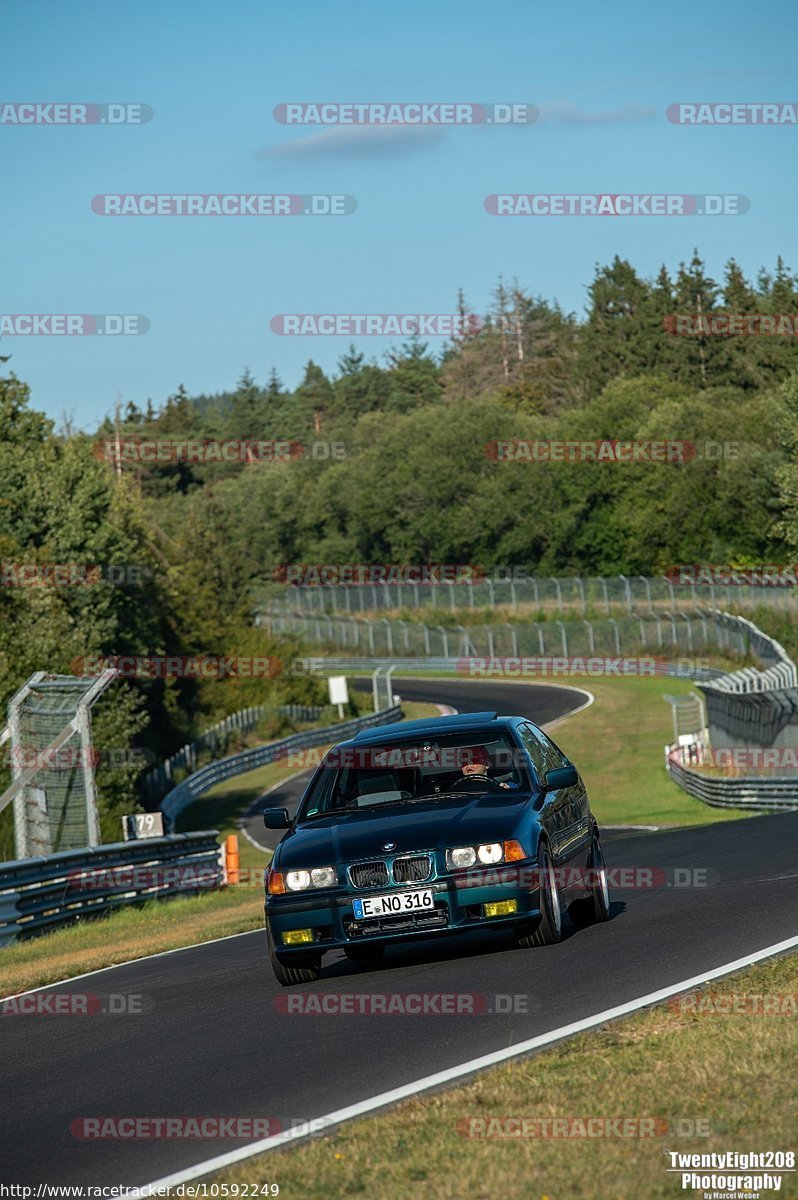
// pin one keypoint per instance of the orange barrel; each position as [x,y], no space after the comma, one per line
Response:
[232,862]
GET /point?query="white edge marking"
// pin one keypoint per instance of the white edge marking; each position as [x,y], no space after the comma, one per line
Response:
[441,1078]
[128,962]
[252,811]
[567,716]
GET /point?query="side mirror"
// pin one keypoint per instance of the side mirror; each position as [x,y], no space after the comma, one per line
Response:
[276,818]
[560,777]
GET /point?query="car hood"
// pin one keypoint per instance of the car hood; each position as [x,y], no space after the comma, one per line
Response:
[429,825]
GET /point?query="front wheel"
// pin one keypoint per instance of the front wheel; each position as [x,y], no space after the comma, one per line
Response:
[305,968]
[596,906]
[549,931]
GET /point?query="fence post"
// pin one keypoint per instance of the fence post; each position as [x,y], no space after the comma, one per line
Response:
[647,586]
[689,632]
[628,588]
[582,592]
[614,624]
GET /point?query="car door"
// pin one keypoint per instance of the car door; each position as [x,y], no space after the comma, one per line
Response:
[553,814]
[576,811]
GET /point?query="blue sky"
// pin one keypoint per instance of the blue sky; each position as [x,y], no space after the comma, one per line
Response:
[602,77]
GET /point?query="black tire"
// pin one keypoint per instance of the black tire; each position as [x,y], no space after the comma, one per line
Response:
[549,931]
[596,907]
[364,953]
[305,968]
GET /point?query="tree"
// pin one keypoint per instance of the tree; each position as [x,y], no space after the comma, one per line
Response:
[314,398]
[247,415]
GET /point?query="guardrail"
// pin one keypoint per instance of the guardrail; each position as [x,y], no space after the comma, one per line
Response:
[37,893]
[160,779]
[247,760]
[753,707]
[314,663]
[760,793]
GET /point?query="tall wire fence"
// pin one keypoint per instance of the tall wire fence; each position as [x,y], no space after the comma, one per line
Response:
[665,634]
[566,595]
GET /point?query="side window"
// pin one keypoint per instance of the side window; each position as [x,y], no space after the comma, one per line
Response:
[534,749]
[554,756]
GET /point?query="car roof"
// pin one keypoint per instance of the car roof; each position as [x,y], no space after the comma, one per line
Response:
[429,726]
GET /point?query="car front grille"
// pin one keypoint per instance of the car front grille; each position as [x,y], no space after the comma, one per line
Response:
[369,874]
[413,869]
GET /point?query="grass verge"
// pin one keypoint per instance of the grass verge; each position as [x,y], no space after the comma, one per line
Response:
[618,744]
[703,1082]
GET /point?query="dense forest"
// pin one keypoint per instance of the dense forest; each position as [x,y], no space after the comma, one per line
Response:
[397,466]
[392,464]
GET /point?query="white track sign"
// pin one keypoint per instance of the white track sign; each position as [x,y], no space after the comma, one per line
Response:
[339,693]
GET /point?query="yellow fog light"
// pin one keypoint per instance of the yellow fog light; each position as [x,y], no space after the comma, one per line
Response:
[296,937]
[502,908]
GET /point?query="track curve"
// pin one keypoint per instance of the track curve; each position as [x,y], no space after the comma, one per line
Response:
[215,1037]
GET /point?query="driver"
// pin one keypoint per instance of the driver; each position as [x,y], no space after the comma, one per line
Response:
[474,769]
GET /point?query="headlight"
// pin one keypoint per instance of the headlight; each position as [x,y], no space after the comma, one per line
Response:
[487,854]
[320,877]
[297,881]
[463,856]
[493,852]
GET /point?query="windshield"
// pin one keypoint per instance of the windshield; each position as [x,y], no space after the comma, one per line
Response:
[400,774]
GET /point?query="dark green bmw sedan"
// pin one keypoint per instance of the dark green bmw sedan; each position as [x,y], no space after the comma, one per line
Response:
[429,828]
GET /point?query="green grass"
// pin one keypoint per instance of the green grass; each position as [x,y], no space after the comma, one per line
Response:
[618,744]
[734,1074]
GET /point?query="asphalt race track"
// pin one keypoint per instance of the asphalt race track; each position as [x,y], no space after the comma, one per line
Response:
[214,1038]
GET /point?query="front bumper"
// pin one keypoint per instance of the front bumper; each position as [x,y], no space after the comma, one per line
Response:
[459,907]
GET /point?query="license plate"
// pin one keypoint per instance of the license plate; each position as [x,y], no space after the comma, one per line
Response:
[394,903]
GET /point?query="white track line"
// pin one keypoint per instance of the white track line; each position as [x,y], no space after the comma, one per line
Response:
[252,813]
[441,1078]
[567,716]
[128,962]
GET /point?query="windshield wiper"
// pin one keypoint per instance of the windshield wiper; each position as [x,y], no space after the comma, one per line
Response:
[443,795]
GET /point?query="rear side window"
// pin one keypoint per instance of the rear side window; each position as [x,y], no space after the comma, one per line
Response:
[544,754]
[534,749]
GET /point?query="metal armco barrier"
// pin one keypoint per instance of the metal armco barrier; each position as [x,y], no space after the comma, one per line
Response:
[37,893]
[753,707]
[160,779]
[225,768]
[756,792]
[312,664]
